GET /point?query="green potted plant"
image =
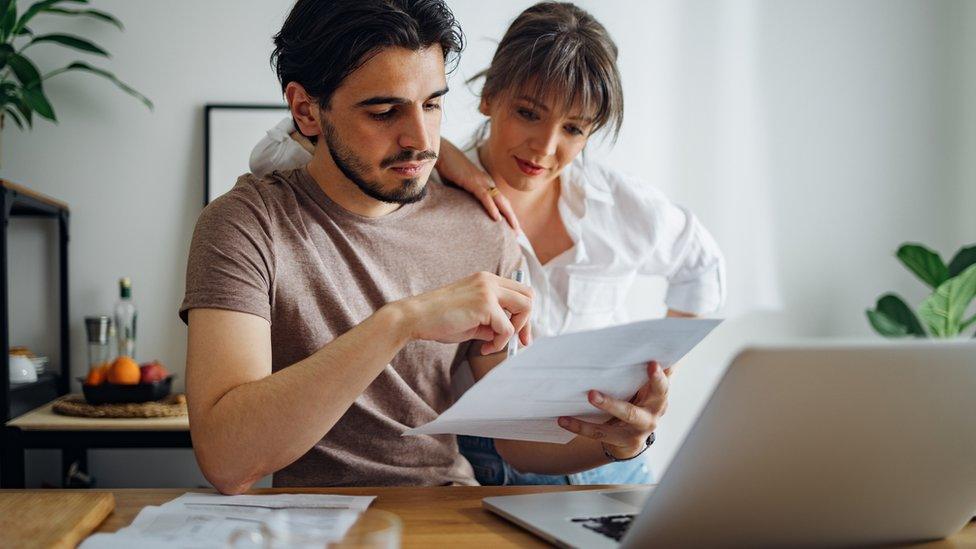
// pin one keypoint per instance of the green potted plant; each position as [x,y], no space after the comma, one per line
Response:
[942,313]
[21,83]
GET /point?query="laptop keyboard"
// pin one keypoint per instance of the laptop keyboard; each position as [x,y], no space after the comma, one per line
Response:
[611,526]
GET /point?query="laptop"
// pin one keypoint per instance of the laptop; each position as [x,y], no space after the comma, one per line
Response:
[820,445]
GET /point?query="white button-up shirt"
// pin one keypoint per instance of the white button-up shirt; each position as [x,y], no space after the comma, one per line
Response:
[621,227]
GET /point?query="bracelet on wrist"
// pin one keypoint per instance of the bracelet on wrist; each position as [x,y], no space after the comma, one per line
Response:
[613,458]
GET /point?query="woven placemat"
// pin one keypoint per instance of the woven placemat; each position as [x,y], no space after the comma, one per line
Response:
[75,405]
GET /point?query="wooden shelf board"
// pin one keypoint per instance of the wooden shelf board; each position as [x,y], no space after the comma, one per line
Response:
[40,197]
[44,419]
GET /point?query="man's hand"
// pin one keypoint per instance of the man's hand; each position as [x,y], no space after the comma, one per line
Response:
[481,306]
[625,434]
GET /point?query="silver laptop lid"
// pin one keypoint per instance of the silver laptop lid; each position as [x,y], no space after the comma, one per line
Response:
[825,445]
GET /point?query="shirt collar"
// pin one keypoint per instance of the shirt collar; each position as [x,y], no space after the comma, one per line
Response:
[581,190]
[585,183]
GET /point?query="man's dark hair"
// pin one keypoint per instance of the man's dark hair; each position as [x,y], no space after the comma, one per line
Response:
[324,41]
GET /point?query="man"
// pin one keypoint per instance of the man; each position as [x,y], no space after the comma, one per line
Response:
[325,305]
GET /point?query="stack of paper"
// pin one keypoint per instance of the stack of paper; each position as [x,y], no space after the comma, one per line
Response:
[522,398]
[209,520]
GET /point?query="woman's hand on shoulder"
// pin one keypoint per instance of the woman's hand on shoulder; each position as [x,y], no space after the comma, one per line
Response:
[454,167]
[305,142]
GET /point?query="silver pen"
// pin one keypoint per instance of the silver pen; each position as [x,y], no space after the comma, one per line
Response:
[517,276]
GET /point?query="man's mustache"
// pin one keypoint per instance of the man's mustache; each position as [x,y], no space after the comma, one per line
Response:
[408,156]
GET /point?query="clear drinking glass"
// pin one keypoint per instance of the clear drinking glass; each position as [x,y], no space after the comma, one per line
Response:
[99,330]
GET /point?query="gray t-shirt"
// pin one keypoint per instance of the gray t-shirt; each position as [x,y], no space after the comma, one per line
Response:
[280,249]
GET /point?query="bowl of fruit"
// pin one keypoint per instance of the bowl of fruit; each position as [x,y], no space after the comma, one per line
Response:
[124,380]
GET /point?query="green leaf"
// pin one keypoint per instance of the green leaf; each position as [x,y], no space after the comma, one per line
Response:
[75,42]
[36,8]
[25,32]
[11,92]
[8,18]
[963,259]
[6,50]
[896,309]
[8,91]
[25,71]
[942,311]
[24,110]
[926,264]
[36,100]
[14,116]
[29,14]
[78,65]
[965,325]
[97,14]
[885,325]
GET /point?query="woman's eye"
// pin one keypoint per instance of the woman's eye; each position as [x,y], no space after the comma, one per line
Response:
[574,130]
[385,115]
[527,114]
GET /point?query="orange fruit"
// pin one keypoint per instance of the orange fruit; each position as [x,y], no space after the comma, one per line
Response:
[97,375]
[124,371]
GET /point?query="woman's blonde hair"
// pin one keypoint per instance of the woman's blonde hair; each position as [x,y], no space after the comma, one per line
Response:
[557,49]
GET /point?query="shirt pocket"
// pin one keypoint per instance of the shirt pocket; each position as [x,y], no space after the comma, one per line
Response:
[592,294]
[592,301]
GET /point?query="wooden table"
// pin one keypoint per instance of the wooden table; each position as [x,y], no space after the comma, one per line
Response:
[51,518]
[431,516]
[42,428]
[439,516]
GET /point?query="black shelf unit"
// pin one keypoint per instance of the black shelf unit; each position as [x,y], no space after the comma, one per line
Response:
[18,398]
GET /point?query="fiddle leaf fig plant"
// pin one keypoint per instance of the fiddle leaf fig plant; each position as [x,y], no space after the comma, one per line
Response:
[21,82]
[942,313]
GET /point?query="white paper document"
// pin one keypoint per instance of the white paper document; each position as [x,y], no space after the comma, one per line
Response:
[209,520]
[193,500]
[522,398]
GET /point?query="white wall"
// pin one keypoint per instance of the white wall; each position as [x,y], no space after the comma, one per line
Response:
[864,105]
[962,157]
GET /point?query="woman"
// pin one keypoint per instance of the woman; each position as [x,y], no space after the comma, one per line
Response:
[586,229]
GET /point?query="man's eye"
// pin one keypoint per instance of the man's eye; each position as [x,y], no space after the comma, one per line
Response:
[527,114]
[385,115]
[432,107]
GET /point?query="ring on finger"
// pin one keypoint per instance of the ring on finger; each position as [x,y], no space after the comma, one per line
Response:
[493,191]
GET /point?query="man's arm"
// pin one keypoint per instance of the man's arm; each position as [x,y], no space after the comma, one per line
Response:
[247,422]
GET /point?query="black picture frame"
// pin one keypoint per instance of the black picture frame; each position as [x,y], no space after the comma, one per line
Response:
[210,113]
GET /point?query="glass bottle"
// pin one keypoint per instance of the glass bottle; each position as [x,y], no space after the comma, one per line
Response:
[125,320]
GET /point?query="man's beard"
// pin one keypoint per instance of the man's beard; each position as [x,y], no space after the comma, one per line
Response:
[410,190]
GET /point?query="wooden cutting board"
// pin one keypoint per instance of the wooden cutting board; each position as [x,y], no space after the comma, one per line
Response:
[51,518]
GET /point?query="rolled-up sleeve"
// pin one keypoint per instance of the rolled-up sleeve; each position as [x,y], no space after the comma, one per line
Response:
[697,282]
[684,252]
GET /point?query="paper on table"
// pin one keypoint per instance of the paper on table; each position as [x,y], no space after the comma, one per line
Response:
[522,397]
[208,520]
[197,500]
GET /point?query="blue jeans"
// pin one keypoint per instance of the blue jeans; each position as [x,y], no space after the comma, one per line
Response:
[491,470]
